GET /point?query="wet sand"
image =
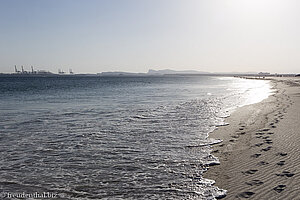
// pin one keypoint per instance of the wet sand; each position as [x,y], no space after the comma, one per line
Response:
[259,154]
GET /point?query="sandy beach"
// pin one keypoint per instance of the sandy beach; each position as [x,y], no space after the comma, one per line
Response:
[259,154]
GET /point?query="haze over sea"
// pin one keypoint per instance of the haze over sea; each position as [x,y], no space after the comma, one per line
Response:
[115,137]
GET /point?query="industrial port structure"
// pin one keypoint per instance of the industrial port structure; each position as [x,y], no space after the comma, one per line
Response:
[39,72]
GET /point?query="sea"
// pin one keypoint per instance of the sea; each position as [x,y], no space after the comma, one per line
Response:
[115,137]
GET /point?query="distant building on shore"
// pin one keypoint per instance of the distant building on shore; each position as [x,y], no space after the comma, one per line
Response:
[263,73]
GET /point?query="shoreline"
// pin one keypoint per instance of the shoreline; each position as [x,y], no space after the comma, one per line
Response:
[259,153]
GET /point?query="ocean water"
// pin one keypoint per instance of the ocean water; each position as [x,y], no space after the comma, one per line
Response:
[115,137]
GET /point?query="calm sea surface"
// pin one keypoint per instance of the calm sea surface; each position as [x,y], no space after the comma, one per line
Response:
[115,137]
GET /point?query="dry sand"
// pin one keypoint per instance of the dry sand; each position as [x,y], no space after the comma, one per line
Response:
[259,154]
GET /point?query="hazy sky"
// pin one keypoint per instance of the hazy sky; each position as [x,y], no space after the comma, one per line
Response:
[135,35]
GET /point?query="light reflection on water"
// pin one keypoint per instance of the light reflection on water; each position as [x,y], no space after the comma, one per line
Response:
[258,91]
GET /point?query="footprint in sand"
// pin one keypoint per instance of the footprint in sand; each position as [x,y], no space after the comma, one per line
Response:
[268,141]
[259,144]
[250,171]
[280,163]
[245,195]
[279,188]
[267,149]
[262,163]
[286,174]
[256,155]
[281,154]
[255,183]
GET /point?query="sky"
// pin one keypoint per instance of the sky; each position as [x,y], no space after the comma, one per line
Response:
[91,36]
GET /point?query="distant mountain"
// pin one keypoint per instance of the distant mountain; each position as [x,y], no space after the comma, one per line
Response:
[120,74]
[169,71]
[151,72]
